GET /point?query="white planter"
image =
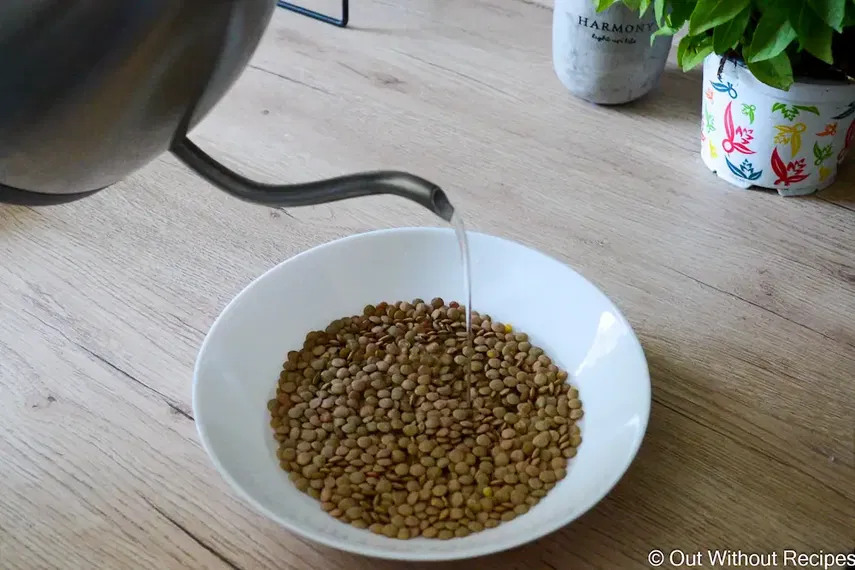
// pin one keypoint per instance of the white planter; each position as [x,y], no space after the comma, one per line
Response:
[754,135]
[606,58]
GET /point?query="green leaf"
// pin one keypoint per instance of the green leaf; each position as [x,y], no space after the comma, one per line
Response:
[681,10]
[603,5]
[849,17]
[659,11]
[692,51]
[728,34]
[663,31]
[644,5]
[711,13]
[776,72]
[831,12]
[813,34]
[772,36]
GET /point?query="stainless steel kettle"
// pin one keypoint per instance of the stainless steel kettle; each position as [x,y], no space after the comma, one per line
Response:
[92,90]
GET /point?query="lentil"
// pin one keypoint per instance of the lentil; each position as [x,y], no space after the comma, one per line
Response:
[373,419]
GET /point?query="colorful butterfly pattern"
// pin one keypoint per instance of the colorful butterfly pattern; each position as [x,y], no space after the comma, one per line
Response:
[790,145]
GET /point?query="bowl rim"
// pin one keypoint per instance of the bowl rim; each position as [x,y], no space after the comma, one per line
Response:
[380,553]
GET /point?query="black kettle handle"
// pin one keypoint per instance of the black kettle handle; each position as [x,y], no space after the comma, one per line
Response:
[400,184]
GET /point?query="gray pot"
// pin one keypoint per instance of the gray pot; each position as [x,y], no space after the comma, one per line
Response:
[606,57]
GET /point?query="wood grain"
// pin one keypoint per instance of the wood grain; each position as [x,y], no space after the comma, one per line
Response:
[744,301]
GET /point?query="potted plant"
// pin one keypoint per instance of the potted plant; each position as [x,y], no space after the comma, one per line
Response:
[605,51]
[778,89]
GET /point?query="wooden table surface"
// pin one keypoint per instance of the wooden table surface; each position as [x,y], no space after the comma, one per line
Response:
[744,301]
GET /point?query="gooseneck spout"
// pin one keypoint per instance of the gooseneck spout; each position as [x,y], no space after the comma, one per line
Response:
[400,184]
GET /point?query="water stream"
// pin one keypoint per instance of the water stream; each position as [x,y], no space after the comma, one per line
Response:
[463,244]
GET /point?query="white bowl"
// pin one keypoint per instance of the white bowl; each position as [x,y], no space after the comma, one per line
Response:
[239,363]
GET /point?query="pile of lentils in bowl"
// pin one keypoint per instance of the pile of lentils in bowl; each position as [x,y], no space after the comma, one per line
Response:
[373,420]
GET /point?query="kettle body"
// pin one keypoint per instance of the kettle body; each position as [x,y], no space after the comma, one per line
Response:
[93,90]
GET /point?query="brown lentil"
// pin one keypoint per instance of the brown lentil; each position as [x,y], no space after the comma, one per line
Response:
[373,420]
